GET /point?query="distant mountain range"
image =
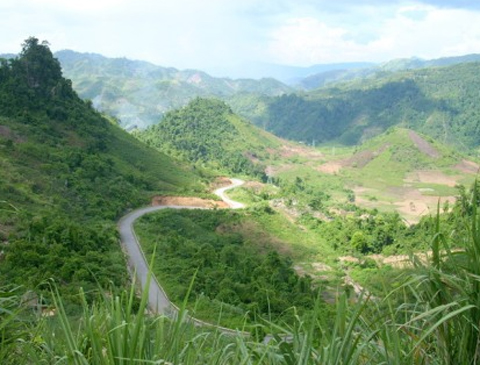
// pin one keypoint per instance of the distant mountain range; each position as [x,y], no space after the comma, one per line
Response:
[293,75]
[334,74]
[323,102]
[138,93]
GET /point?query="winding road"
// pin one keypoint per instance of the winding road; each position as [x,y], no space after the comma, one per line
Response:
[157,298]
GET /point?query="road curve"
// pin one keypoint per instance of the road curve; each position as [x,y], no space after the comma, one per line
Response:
[157,298]
[232,203]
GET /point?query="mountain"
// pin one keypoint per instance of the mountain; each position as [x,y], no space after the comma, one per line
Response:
[67,175]
[7,56]
[415,63]
[138,93]
[291,75]
[207,133]
[437,101]
[335,75]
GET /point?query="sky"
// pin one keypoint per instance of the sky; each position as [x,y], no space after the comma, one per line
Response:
[225,37]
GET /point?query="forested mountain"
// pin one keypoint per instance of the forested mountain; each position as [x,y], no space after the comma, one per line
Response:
[66,174]
[417,94]
[338,74]
[439,102]
[138,93]
[207,133]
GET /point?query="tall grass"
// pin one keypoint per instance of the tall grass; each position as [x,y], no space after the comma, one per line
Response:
[433,318]
[444,315]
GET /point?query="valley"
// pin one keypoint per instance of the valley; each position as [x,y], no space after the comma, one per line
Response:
[351,208]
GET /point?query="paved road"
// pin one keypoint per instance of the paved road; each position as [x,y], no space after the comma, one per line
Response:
[232,203]
[158,300]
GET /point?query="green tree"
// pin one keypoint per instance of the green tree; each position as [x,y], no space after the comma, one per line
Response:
[359,242]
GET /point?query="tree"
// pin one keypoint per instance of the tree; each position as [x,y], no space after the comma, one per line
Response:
[359,242]
[41,69]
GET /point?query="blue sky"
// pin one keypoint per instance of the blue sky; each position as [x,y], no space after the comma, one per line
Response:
[224,36]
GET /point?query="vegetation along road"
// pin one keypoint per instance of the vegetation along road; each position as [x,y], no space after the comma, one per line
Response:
[158,300]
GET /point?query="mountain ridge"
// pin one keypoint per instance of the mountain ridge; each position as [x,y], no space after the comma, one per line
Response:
[139,92]
[321,79]
[437,101]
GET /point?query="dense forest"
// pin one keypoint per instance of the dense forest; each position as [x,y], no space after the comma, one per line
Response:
[67,174]
[229,270]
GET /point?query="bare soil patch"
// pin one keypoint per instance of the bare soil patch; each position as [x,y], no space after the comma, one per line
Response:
[431,177]
[183,201]
[317,268]
[361,159]
[287,151]
[358,160]
[468,167]
[409,202]
[220,182]
[5,131]
[415,205]
[331,167]
[423,145]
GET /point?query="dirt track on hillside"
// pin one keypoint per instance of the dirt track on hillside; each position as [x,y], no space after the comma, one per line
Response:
[181,201]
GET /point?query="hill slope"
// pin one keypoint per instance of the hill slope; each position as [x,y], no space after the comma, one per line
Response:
[208,133]
[67,173]
[402,170]
[138,93]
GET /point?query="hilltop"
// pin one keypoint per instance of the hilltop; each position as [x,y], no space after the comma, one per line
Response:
[331,76]
[208,134]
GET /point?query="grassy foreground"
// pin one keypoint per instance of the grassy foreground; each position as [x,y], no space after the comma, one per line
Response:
[433,318]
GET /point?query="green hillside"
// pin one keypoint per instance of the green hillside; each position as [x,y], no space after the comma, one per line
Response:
[67,174]
[439,102]
[207,133]
[275,268]
[138,93]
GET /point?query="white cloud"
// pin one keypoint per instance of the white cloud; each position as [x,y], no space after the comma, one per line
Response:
[304,41]
[413,30]
[208,33]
